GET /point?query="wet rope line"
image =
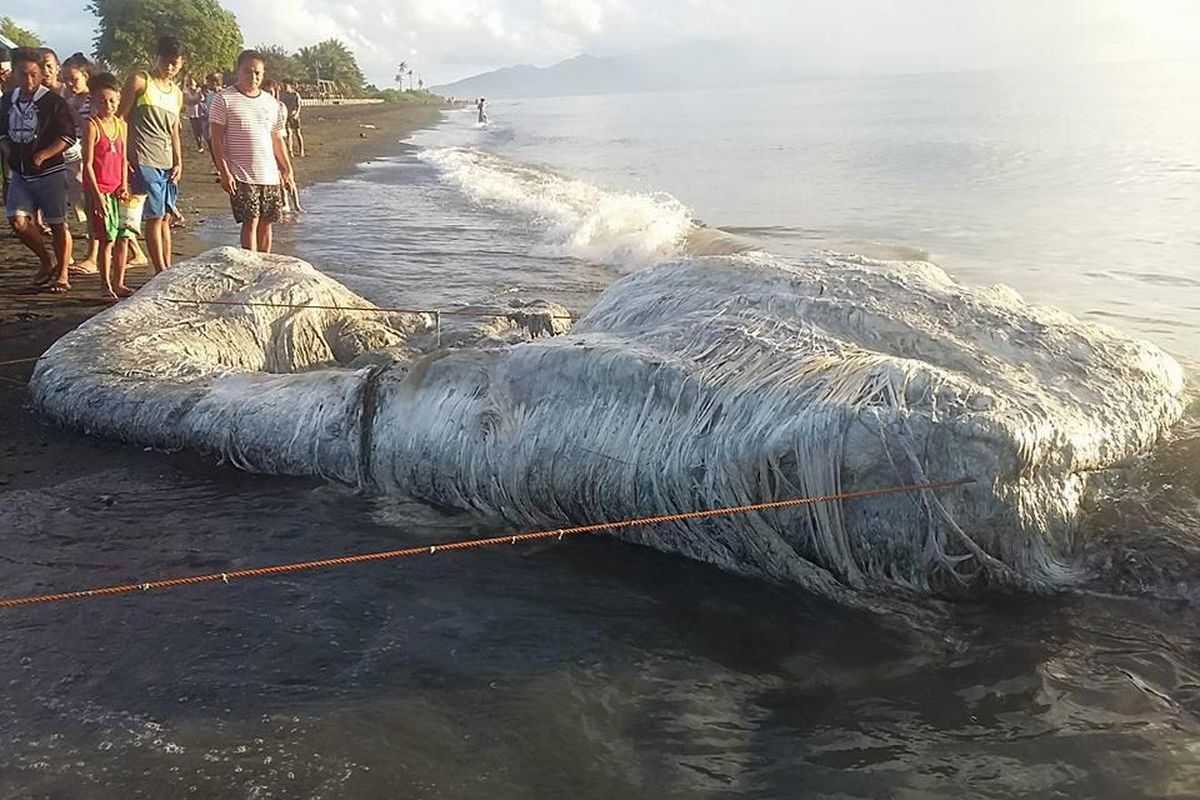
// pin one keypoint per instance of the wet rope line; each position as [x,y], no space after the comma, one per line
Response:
[468,544]
[447,312]
[434,312]
[13,361]
[57,300]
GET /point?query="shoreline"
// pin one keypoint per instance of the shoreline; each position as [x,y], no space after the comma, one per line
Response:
[37,454]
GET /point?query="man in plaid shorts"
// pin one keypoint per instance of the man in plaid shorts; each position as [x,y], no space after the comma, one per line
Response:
[248,149]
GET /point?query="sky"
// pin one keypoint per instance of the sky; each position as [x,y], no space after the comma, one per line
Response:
[446,40]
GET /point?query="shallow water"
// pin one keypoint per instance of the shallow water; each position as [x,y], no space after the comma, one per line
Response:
[590,669]
[599,669]
[1078,189]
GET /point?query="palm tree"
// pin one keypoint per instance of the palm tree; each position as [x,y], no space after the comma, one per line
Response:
[410,80]
[420,84]
[331,60]
[280,64]
[400,74]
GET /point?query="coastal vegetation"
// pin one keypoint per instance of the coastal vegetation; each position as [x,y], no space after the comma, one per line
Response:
[332,60]
[18,35]
[280,64]
[212,39]
[405,96]
[128,30]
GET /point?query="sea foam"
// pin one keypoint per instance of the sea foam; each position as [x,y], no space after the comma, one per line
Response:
[577,219]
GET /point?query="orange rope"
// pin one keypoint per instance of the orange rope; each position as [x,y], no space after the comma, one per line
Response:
[469,544]
[12,361]
[67,301]
[459,312]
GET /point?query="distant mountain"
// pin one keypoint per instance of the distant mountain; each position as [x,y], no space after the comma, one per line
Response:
[691,66]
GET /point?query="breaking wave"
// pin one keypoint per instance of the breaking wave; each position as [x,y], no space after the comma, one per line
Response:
[577,219]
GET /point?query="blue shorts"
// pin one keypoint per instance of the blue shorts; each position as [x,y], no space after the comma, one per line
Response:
[46,193]
[161,194]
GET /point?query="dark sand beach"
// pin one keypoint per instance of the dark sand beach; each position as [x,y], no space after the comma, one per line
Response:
[36,454]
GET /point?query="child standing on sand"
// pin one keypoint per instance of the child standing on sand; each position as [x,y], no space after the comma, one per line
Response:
[195,111]
[151,103]
[291,101]
[291,197]
[106,181]
[75,73]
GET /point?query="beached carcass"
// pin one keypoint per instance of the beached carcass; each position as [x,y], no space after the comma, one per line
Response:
[694,384]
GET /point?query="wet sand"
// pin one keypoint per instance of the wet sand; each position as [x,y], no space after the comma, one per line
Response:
[36,454]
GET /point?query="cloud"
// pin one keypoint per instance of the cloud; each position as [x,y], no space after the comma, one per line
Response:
[448,39]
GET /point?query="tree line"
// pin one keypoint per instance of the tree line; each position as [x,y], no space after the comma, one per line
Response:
[18,35]
[211,39]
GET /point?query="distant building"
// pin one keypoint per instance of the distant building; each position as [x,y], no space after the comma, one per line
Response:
[319,89]
[6,43]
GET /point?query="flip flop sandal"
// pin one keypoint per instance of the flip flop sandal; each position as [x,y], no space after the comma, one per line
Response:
[58,288]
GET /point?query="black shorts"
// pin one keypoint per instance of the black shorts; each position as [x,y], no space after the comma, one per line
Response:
[293,123]
[252,200]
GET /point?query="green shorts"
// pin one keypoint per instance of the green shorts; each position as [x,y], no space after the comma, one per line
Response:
[112,219]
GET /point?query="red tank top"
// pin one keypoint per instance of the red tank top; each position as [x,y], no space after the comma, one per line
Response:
[108,158]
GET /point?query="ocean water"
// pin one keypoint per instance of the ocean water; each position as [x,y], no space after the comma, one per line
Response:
[599,669]
[1079,189]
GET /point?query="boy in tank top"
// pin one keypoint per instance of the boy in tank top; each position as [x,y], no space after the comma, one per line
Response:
[106,181]
[152,104]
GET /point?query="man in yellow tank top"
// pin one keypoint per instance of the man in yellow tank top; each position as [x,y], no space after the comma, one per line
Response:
[152,103]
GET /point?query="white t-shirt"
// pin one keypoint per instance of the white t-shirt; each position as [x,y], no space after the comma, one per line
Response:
[249,123]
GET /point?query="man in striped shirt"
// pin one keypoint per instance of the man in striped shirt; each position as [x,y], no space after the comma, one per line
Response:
[248,148]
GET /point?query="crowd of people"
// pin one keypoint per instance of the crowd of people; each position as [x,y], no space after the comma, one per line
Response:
[75,140]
